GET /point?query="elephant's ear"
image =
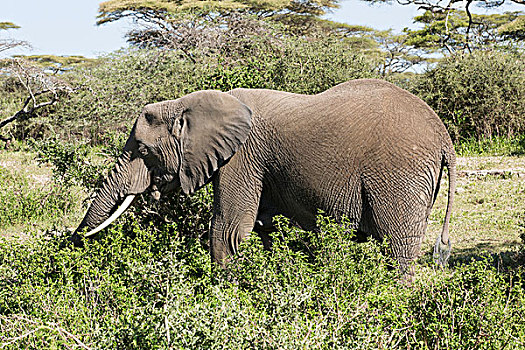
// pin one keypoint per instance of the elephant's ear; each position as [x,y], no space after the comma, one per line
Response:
[212,127]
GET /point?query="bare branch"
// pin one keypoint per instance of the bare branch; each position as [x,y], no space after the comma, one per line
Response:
[26,113]
[8,44]
[51,327]
[43,89]
[470,22]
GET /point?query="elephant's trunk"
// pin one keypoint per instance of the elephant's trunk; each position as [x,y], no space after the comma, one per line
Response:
[129,177]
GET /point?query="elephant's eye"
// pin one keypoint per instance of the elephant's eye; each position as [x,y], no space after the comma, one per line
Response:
[149,117]
[143,150]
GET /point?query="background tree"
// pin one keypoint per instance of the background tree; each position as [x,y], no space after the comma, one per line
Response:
[36,85]
[398,54]
[443,10]
[514,30]
[164,11]
[450,32]
[231,29]
[8,44]
[478,95]
[162,21]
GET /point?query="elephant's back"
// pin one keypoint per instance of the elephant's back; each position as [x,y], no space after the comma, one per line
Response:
[356,104]
[357,121]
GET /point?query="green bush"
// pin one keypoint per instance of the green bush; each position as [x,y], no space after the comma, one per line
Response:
[69,162]
[24,203]
[148,287]
[296,66]
[481,95]
[495,146]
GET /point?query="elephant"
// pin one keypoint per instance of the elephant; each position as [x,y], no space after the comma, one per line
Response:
[365,150]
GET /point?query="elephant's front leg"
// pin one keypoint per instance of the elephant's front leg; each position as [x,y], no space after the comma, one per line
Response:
[234,213]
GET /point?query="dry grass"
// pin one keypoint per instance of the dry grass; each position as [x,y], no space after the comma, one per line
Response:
[24,164]
[488,210]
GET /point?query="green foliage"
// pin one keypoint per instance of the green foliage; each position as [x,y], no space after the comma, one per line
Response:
[11,93]
[145,286]
[293,67]
[466,310]
[58,62]
[113,92]
[69,161]
[514,29]
[449,31]
[8,25]
[123,83]
[439,29]
[477,96]
[254,73]
[494,146]
[521,254]
[23,203]
[148,282]
[166,11]
[313,67]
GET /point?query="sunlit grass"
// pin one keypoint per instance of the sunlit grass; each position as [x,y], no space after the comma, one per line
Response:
[30,200]
[495,146]
[488,210]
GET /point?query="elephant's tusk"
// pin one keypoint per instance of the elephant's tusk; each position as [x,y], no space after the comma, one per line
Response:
[113,217]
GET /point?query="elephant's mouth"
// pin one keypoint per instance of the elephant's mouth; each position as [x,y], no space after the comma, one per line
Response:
[163,184]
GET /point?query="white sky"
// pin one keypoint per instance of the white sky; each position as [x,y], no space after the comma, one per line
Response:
[67,27]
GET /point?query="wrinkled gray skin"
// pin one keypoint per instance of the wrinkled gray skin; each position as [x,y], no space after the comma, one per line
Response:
[364,149]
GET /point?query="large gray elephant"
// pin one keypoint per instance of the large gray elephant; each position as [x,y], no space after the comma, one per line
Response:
[365,150]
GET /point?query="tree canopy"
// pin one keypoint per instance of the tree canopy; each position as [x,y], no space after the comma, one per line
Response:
[8,25]
[59,63]
[453,31]
[8,44]
[441,6]
[443,10]
[147,10]
[514,29]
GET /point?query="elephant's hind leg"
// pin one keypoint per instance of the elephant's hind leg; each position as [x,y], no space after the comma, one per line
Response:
[402,221]
[404,244]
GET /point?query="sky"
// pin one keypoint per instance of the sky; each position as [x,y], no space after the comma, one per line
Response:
[67,27]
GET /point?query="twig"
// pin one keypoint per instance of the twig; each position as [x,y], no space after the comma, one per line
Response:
[63,333]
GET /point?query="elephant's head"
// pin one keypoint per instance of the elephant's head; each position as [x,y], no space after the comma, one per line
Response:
[173,144]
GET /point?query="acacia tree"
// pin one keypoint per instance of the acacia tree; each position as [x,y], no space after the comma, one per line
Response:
[226,28]
[41,86]
[8,44]
[166,10]
[172,22]
[453,32]
[444,11]
[231,29]
[514,30]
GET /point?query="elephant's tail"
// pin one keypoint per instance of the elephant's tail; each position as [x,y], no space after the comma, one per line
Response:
[443,243]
